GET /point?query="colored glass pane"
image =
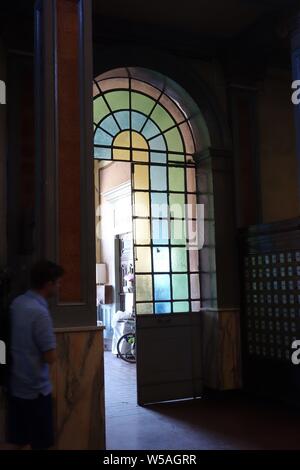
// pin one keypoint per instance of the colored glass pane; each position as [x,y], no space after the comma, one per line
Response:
[142,231]
[162,307]
[178,232]
[109,124]
[180,286]
[179,307]
[100,109]
[141,204]
[122,117]
[144,309]
[176,179]
[179,259]
[143,289]
[174,140]
[159,205]
[158,176]
[161,116]
[160,232]
[137,121]
[118,100]
[141,177]
[142,259]
[162,288]
[141,103]
[195,286]
[161,262]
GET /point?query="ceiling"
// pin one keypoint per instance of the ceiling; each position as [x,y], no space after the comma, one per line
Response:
[219,18]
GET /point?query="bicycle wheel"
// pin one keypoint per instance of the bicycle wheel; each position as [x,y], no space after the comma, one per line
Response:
[126,348]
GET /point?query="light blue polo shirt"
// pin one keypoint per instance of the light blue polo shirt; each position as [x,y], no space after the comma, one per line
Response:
[31,335]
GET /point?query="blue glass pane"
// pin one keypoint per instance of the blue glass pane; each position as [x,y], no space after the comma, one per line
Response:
[162,289]
[102,138]
[123,119]
[161,261]
[137,120]
[158,157]
[162,307]
[160,232]
[158,177]
[150,129]
[159,205]
[157,144]
[102,153]
[109,124]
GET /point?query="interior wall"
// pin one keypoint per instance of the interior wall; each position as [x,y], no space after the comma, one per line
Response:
[278,163]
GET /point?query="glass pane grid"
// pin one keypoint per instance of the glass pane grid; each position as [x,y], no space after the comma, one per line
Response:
[145,127]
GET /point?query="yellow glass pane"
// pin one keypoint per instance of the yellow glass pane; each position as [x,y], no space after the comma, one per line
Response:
[142,260]
[142,231]
[122,139]
[144,309]
[141,177]
[121,154]
[139,156]
[143,287]
[141,205]
[139,142]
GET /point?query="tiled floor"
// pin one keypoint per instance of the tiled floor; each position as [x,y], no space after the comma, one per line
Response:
[230,421]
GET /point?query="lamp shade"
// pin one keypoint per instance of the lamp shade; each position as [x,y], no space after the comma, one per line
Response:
[101,273]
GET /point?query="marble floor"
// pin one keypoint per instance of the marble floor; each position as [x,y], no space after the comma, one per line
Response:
[225,421]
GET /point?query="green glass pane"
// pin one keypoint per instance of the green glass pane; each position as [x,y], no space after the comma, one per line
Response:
[158,176]
[162,288]
[141,204]
[141,103]
[179,259]
[118,99]
[174,140]
[180,286]
[161,261]
[177,205]
[142,259]
[181,307]
[144,309]
[143,287]
[141,177]
[142,231]
[174,157]
[162,118]
[176,179]
[100,109]
[178,232]
[162,307]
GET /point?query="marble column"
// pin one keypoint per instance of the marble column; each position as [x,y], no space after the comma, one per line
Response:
[295,50]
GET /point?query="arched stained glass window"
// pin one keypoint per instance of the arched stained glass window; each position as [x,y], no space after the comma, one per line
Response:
[146,119]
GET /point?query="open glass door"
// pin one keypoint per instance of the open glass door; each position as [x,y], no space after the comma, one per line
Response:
[139,117]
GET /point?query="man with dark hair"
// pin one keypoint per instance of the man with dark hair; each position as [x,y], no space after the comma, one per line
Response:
[32,350]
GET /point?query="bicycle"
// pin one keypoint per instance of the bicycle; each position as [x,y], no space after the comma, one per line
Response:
[126,347]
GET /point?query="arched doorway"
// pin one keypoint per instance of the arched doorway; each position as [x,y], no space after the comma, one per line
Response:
[147,120]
